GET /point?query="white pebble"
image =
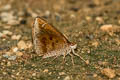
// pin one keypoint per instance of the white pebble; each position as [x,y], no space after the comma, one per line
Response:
[15,49]
[6,32]
[15,37]
[6,7]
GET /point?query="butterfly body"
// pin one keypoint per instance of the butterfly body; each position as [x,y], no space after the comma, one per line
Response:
[48,41]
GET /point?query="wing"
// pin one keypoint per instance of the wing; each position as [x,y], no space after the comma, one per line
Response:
[48,37]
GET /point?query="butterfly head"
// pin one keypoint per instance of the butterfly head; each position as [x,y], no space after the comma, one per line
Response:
[73,46]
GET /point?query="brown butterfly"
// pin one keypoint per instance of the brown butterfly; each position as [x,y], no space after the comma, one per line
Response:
[49,42]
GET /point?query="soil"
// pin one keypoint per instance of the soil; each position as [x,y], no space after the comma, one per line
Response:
[80,21]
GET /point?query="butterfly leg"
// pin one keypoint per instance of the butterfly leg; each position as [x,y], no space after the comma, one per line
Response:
[72,59]
[42,60]
[63,62]
[79,56]
[53,59]
[50,62]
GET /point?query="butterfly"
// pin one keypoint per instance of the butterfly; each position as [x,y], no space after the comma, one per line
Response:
[49,42]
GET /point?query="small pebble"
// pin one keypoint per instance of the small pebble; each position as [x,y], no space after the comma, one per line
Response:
[9,53]
[6,32]
[29,44]
[13,22]
[87,61]
[117,41]
[72,16]
[16,37]
[99,19]
[61,73]
[50,73]
[67,78]
[21,13]
[106,27]
[47,13]
[4,73]
[12,57]
[19,54]
[7,16]
[14,49]
[17,73]
[8,63]
[7,27]
[88,18]
[9,56]
[109,27]
[22,45]
[97,2]
[119,21]
[32,13]
[34,74]
[118,72]
[45,70]
[5,55]
[1,34]
[94,75]
[57,7]
[110,73]
[6,7]
[95,44]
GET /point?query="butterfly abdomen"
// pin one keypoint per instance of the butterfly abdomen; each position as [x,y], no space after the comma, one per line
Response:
[63,51]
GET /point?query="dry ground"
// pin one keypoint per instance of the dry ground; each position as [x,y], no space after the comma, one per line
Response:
[93,24]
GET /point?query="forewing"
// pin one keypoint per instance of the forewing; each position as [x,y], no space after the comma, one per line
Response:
[49,38]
